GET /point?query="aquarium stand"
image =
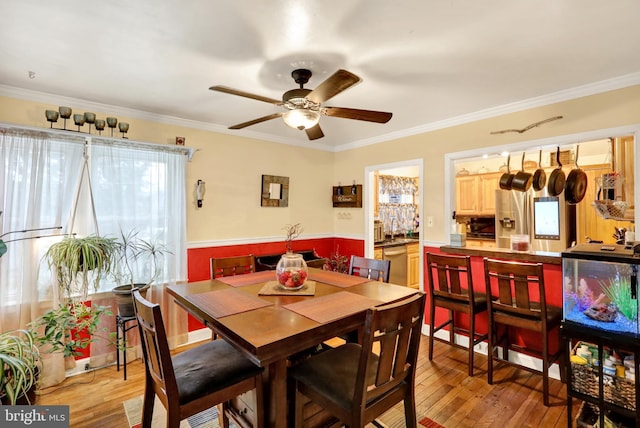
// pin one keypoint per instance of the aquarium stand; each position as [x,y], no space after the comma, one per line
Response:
[615,398]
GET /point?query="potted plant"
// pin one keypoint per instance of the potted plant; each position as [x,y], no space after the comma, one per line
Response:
[20,361]
[136,266]
[79,262]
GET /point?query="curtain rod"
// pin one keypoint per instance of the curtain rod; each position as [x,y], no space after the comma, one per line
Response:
[83,138]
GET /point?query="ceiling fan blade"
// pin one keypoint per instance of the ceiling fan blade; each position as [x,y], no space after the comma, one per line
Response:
[232,91]
[254,121]
[357,114]
[332,86]
[314,132]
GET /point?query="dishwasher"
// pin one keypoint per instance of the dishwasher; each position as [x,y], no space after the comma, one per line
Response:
[398,268]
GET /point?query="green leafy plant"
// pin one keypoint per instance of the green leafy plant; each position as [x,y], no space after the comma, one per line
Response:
[20,361]
[619,292]
[68,328]
[79,262]
[136,259]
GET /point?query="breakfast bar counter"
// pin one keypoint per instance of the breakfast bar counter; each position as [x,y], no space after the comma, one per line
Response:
[545,257]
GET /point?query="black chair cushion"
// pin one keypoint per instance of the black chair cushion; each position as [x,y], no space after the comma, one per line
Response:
[333,372]
[210,367]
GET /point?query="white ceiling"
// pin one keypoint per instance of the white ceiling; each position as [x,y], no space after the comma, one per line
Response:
[430,63]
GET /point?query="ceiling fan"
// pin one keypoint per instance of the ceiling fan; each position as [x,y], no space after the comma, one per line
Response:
[303,107]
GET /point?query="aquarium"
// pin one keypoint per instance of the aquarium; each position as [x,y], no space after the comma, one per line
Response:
[600,287]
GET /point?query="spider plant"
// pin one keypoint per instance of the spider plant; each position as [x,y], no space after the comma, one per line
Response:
[79,262]
[19,359]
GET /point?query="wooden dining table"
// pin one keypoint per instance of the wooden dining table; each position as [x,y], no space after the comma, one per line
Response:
[269,324]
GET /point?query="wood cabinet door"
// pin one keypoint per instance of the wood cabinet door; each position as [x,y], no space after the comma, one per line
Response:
[413,265]
[488,185]
[377,253]
[467,197]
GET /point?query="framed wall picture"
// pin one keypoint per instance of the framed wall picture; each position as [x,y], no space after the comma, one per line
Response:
[275,191]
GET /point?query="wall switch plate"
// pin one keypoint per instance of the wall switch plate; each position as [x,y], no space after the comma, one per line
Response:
[430,221]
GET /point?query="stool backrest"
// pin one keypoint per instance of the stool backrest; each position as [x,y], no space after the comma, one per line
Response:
[520,289]
[450,277]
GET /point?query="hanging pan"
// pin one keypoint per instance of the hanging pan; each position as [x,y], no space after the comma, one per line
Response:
[507,178]
[555,186]
[576,185]
[522,180]
[539,177]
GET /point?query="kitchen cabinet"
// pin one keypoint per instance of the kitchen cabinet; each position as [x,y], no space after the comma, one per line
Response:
[589,222]
[480,243]
[475,194]
[377,253]
[413,265]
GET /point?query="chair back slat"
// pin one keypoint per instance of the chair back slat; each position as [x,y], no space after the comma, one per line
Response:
[229,266]
[376,270]
[396,327]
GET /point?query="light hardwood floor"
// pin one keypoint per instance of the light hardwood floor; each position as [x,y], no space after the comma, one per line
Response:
[444,393]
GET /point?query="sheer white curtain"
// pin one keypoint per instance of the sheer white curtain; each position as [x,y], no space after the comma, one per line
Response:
[38,173]
[142,189]
[136,186]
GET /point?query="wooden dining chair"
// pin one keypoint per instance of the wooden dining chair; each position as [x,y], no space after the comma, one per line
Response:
[377,270]
[356,385]
[229,266]
[451,288]
[520,302]
[195,380]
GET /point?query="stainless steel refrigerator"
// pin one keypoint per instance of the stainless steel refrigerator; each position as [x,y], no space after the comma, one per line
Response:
[549,222]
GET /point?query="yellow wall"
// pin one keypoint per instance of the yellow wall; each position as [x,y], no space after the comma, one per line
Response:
[232,169]
[602,111]
[232,166]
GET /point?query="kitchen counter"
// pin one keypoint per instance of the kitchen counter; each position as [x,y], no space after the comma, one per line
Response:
[396,242]
[506,254]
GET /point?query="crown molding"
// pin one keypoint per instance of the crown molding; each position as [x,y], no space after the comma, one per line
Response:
[555,97]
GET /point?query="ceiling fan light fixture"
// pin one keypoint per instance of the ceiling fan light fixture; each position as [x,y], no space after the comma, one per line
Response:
[301,118]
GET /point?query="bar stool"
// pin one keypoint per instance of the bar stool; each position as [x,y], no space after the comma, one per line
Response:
[447,275]
[520,303]
[121,344]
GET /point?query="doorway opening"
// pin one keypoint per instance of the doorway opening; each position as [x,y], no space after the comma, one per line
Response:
[403,169]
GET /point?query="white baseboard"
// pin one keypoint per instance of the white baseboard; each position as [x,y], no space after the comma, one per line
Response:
[482,348]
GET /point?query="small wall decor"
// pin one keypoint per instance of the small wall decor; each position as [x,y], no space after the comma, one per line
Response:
[347,196]
[200,189]
[275,191]
[180,141]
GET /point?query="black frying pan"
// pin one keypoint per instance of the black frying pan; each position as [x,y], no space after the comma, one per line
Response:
[576,184]
[522,180]
[555,186]
[507,178]
[539,177]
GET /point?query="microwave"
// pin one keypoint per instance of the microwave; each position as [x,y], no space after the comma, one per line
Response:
[378,231]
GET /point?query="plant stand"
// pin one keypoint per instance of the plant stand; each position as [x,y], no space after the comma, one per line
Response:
[121,344]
